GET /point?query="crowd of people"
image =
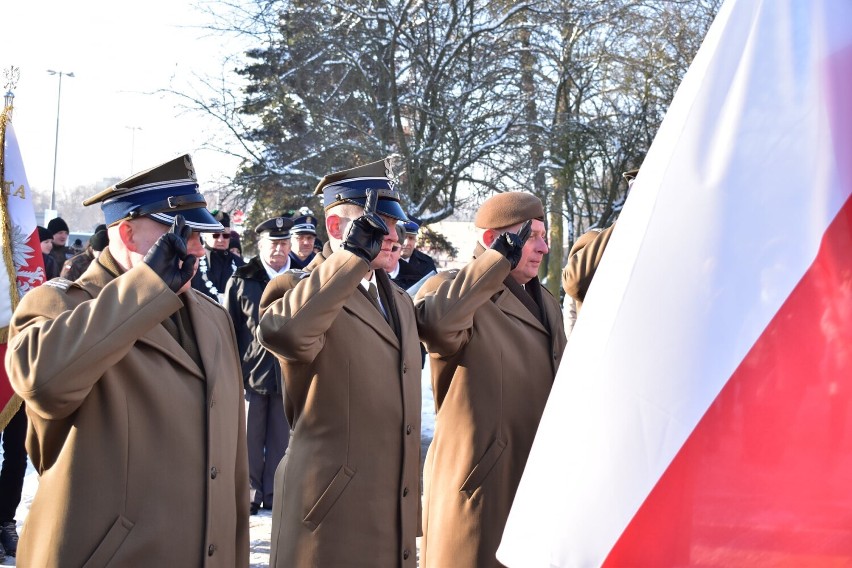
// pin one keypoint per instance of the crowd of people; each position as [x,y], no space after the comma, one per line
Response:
[197,385]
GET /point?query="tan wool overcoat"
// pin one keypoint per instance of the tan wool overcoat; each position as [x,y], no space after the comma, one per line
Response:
[347,493]
[493,364]
[583,262]
[141,453]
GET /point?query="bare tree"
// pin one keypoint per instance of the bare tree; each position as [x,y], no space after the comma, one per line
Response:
[557,97]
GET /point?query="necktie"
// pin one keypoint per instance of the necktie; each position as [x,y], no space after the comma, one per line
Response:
[374,294]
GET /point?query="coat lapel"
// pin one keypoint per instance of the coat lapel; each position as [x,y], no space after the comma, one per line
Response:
[362,308]
[96,277]
[209,346]
[509,304]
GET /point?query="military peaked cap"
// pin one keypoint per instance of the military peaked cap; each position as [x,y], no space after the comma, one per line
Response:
[275,229]
[158,193]
[350,186]
[410,227]
[304,225]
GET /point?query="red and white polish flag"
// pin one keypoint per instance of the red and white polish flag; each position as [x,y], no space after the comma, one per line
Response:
[702,414]
[21,262]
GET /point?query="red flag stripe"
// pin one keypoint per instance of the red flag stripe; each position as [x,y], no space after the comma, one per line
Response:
[764,479]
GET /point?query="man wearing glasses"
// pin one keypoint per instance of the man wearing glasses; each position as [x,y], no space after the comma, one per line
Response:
[218,263]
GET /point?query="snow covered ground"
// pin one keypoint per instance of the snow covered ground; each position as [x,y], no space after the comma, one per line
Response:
[261,524]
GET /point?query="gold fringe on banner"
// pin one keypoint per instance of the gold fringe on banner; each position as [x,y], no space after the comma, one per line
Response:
[10,410]
[6,227]
[5,221]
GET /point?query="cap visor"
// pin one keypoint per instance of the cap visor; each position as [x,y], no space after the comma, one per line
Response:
[199,220]
[389,207]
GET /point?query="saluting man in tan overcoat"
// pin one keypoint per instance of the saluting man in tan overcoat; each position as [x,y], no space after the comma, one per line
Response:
[133,390]
[347,492]
[495,337]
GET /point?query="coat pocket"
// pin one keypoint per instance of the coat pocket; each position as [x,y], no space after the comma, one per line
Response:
[483,468]
[110,544]
[329,497]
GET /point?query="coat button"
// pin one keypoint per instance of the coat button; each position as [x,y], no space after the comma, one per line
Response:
[211,549]
[408,429]
[405,492]
[405,554]
[213,472]
[404,368]
[212,402]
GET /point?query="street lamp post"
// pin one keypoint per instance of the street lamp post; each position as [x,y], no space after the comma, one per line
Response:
[56,143]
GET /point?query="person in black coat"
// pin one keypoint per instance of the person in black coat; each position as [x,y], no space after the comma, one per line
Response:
[218,263]
[267,430]
[50,268]
[305,232]
[413,264]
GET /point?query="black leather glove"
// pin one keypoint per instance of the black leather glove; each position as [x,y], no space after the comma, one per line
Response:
[166,255]
[366,233]
[511,245]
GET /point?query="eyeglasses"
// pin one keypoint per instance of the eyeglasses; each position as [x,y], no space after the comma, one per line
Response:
[221,235]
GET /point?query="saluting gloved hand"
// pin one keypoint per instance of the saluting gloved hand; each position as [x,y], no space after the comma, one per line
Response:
[166,255]
[366,233]
[511,245]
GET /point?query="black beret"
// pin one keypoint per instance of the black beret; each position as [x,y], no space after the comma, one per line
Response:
[507,209]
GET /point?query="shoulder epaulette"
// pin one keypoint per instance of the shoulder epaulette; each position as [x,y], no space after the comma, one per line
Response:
[298,273]
[59,283]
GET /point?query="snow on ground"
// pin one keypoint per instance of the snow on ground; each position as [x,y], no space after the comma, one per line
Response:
[260,525]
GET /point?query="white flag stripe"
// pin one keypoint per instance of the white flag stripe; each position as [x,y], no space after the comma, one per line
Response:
[19,209]
[724,219]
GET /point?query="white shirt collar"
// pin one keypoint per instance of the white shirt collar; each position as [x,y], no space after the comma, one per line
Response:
[394,272]
[272,272]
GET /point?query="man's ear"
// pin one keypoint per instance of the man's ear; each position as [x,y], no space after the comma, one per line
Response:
[127,235]
[334,227]
[488,237]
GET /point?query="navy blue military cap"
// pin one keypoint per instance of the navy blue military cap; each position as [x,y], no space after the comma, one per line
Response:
[410,227]
[304,225]
[275,229]
[158,193]
[350,186]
